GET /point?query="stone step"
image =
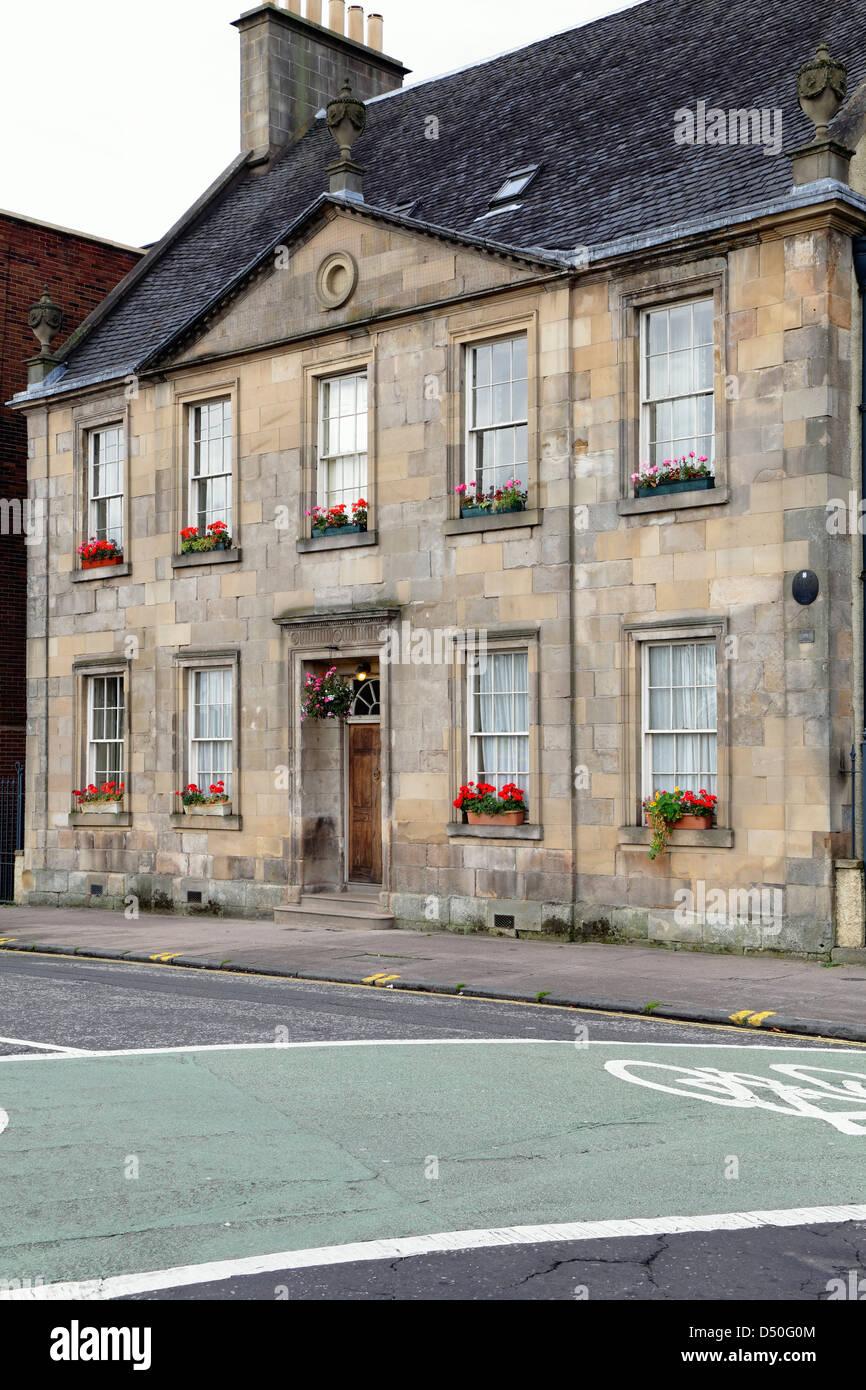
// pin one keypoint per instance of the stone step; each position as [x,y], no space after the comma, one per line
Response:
[361,912]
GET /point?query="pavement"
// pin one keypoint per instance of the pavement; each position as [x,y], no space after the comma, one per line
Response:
[770,993]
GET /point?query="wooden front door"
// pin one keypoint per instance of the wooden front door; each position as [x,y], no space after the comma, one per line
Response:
[365,804]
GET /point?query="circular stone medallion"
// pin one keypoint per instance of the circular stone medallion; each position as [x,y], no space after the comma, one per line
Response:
[336,279]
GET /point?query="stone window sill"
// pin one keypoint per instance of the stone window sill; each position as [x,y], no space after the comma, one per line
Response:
[196,824]
[673,502]
[206,557]
[324,543]
[494,832]
[497,521]
[680,839]
[103,572]
[81,820]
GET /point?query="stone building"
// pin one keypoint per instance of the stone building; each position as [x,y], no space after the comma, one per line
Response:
[549,268]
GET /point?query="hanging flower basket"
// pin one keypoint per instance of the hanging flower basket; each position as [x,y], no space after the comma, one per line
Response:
[326,696]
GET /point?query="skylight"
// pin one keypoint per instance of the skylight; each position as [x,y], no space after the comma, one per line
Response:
[515,183]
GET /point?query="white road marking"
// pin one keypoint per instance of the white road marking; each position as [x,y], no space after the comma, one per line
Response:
[49,1047]
[4,1120]
[182,1276]
[60,1054]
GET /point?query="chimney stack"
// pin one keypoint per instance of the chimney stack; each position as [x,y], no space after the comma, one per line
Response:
[291,66]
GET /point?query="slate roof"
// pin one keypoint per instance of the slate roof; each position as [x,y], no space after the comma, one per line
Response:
[594,106]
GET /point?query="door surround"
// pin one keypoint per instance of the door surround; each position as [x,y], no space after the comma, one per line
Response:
[346,635]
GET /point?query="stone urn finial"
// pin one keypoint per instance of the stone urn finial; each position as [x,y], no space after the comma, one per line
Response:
[821,88]
[45,318]
[347,117]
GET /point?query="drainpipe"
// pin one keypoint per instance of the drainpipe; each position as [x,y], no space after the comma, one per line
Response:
[860,271]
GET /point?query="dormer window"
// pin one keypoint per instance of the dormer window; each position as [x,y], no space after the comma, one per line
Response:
[515,183]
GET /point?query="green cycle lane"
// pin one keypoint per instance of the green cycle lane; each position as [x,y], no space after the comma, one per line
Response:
[118,1164]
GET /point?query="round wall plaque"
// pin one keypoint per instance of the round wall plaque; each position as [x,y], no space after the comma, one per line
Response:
[336,279]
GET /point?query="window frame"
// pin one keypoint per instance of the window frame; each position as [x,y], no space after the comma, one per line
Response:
[194,740]
[84,670]
[99,414]
[90,500]
[661,289]
[473,735]
[91,743]
[463,333]
[644,402]
[184,398]
[323,460]
[195,480]
[634,637]
[187,660]
[472,433]
[504,637]
[648,779]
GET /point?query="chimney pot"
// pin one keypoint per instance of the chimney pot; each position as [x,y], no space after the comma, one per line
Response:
[337,16]
[375,36]
[356,23]
[314,11]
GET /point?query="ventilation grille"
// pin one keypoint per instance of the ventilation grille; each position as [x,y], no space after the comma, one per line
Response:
[503,921]
[193,895]
[96,890]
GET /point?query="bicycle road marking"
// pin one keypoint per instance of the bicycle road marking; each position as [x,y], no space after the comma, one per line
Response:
[742,1089]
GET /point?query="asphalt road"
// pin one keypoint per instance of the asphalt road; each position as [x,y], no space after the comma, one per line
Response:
[257,1126]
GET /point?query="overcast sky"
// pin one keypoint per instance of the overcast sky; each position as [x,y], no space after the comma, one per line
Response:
[116,114]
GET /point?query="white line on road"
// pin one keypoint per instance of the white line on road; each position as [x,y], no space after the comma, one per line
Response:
[49,1047]
[60,1054]
[183,1276]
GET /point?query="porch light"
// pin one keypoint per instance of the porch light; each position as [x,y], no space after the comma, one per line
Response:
[363,671]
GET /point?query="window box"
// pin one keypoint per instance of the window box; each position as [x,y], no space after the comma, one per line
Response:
[507,818]
[687,485]
[492,511]
[689,823]
[213,808]
[100,564]
[349,530]
[99,808]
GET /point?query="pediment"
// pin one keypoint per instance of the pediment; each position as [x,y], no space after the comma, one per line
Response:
[394,268]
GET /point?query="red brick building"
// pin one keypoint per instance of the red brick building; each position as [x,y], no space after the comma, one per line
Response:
[79,271]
